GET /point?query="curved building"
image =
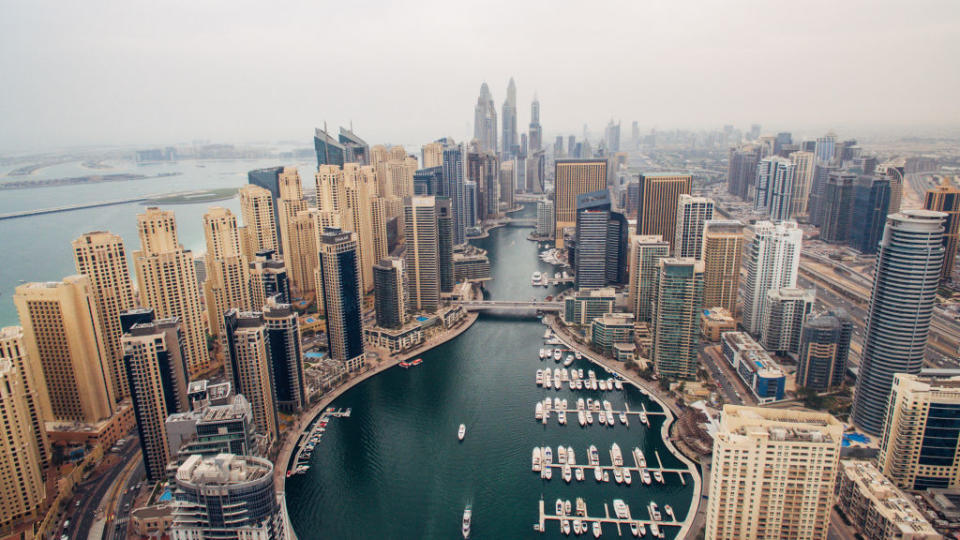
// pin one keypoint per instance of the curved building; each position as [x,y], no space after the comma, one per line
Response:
[824,348]
[906,278]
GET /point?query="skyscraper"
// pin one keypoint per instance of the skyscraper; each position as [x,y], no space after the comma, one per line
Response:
[432,155]
[62,333]
[676,304]
[906,278]
[946,198]
[824,349]
[509,142]
[722,252]
[257,210]
[692,215]
[268,279]
[787,309]
[773,261]
[575,177]
[816,202]
[921,432]
[507,181]
[390,293]
[227,496]
[894,173]
[645,255]
[228,281]
[269,179]
[825,148]
[803,181]
[250,369]
[838,196]
[156,373]
[301,257]
[773,474]
[22,491]
[342,297]
[32,384]
[445,236]
[775,187]
[471,208]
[871,202]
[536,130]
[289,204]
[742,170]
[612,137]
[102,258]
[422,256]
[485,120]
[601,237]
[545,215]
[453,179]
[347,148]
[286,356]
[657,206]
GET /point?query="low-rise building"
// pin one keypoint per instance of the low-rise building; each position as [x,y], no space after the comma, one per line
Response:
[609,330]
[395,340]
[470,263]
[754,365]
[876,507]
[716,321]
[585,306]
[153,520]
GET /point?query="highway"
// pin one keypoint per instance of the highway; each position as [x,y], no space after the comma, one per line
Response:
[722,378]
[92,493]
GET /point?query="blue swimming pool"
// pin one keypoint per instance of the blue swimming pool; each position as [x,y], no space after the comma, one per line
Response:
[421,318]
[315,355]
[855,438]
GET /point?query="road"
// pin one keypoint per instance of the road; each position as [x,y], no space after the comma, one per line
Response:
[92,494]
[839,530]
[730,391]
[128,492]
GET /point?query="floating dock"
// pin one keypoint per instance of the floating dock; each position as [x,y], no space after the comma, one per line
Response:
[605,519]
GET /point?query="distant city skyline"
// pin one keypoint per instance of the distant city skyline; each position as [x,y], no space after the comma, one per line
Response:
[173,75]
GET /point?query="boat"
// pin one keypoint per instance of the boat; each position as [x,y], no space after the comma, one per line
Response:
[578,473]
[572,384]
[462,432]
[623,417]
[547,473]
[669,510]
[547,455]
[579,384]
[615,455]
[607,406]
[467,514]
[602,385]
[618,475]
[593,456]
[644,419]
[537,465]
[417,362]
[606,476]
[547,375]
[404,364]
[576,527]
[654,512]
[543,353]
[638,456]
[539,377]
[602,417]
[645,476]
[589,417]
[610,385]
[562,417]
[592,374]
[559,507]
[655,530]
[568,361]
[538,414]
[597,529]
[556,404]
[578,355]
[658,475]
[536,278]
[620,509]
[635,528]
[618,384]
[557,383]
[580,404]
[549,353]
[571,457]
[563,403]
[598,474]
[581,418]
[627,477]
[565,526]
[567,473]
[561,455]
[567,507]
[610,420]
[557,355]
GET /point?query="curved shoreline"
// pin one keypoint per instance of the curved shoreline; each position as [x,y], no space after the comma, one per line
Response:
[669,409]
[307,419]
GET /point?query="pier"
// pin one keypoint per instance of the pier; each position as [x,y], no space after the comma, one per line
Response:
[605,519]
[316,430]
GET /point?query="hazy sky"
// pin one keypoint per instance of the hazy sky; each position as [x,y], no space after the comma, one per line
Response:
[131,72]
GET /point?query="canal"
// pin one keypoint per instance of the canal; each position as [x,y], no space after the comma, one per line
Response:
[395,469]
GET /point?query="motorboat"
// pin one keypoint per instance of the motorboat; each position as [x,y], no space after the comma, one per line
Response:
[559,507]
[580,404]
[581,418]
[620,509]
[602,417]
[623,418]
[539,377]
[557,383]
[610,420]
[538,414]
[568,361]
[417,362]
[618,384]
[576,527]
[593,456]
[572,384]
[658,475]
[571,456]
[610,385]
[536,279]
[627,477]
[565,526]
[597,529]
[637,529]
[590,403]
[581,507]
[645,476]
[615,455]
[557,355]
[543,353]
[589,417]
[547,455]
[462,432]
[580,373]
[467,514]
[592,374]
[655,530]
[644,419]
[606,476]
[546,473]
[567,473]
[598,474]
[561,455]
[639,458]
[537,465]
[669,510]
[563,403]
[578,473]
[654,512]
[602,385]
[562,417]
[567,507]
[578,355]
[618,475]
[607,406]
[579,384]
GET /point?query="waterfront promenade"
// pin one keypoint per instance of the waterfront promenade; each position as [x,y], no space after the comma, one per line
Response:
[383,363]
[668,403]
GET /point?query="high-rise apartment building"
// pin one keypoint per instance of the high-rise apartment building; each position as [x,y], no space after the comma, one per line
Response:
[920,446]
[286,355]
[259,218]
[228,281]
[773,262]
[825,149]
[432,155]
[574,177]
[786,311]
[268,179]
[773,474]
[536,130]
[454,176]
[877,508]
[824,349]
[390,292]
[205,488]
[32,384]
[816,202]
[347,148]
[509,143]
[167,280]
[946,198]
[803,180]
[485,120]
[722,253]
[507,181]
[289,204]
[776,177]
[677,302]
[342,297]
[545,214]
[445,240]
[601,240]
[742,170]
[838,197]
[102,258]
[894,173]
[692,215]
[268,279]
[645,255]
[62,333]
[870,210]
[250,369]
[906,278]
[22,489]
[156,373]
[422,256]
[657,206]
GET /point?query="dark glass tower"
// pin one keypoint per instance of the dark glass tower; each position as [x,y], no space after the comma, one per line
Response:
[389,292]
[871,202]
[446,223]
[824,348]
[343,303]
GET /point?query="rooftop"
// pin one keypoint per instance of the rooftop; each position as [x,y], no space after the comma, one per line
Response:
[223,469]
[886,498]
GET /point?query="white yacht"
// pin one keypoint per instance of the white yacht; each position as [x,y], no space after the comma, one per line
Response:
[462,432]
[571,457]
[644,419]
[593,456]
[615,455]
[579,384]
[578,355]
[606,476]
[567,473]
[655,530]
[581,418]
[547,473]
[627,477]
[620,509]
[669,510]
[567,507]
[547,455]
[581,507]
[580,404]
[610,420]
[539,377]
[645,476]
[635,528]
[579,474]
[623,418]
[559,507]
[561,455]
[576,527]
[589,417]
[580,373]
[607,406]
[572,384]
[557,383]
[557,355]
[562,417]
[602,385]
[467,514]
[654,512]
[602,417]
[536,278]
[597,529]
[618,475]
[538,414]
[658,475]
[618,384]
[556,404]
[536,459]
[568,361]
[565,526]
[598,474]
